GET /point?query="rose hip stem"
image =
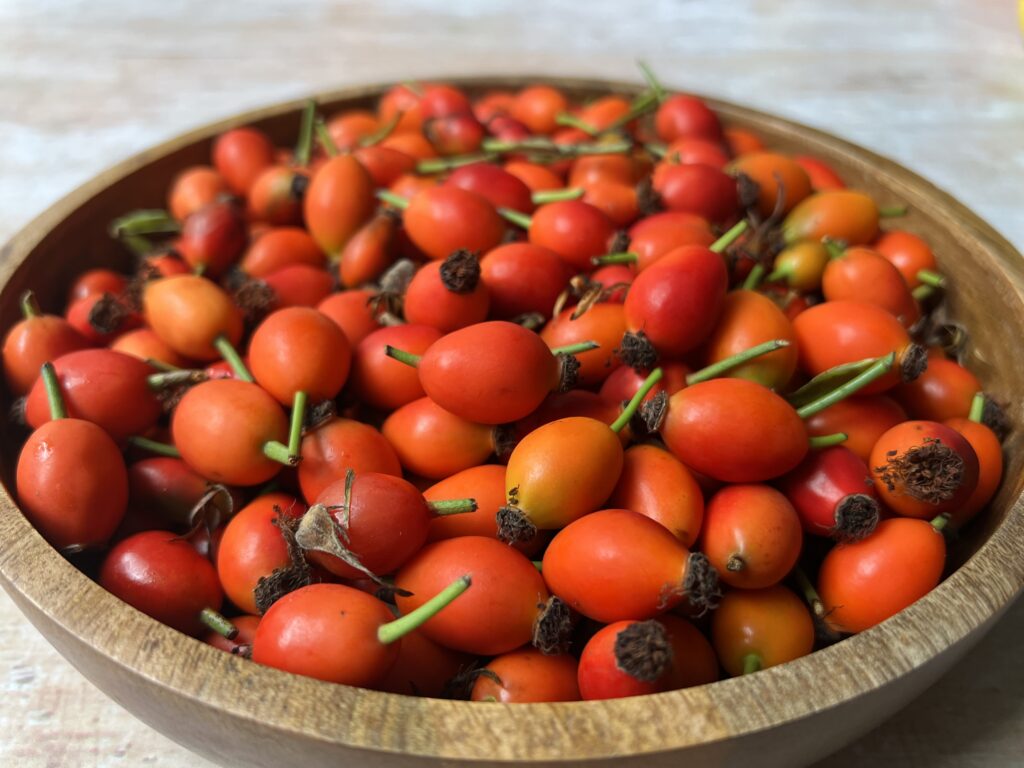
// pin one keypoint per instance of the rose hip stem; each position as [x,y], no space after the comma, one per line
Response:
[290,454]
[557,195]
[571,121]
[395,630]
[652,80]
[892,211]
[54,397]
[161,366]
[217,623]
[826,441]
[537,144]
[939,523]
[149,221]
[304,144]
[323,137]
[716,369]
[723,242]
[751,663]
[170,378]
[879,368]
[452,506]
[754,277]
[160,449]
[413,360]
[931,281]
[631,407]
[441,164]
[809,592]
[977,412]
[383,132]
[30,305]
[230,354]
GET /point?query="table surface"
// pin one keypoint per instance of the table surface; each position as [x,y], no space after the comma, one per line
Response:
[937,85]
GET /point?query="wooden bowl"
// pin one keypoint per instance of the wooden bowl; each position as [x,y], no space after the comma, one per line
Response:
[238,713]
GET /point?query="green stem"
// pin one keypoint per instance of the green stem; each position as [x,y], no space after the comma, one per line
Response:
[717,369]
[940,522]
[402,356]
[395,201]
[754,277]
[643,104]
[835,250]
[751,663]
[518,218]
[977,408]
[881,367]
[631,407]
[538,144]
[395,630]
[278,451]
[58,410]
[923,292]
[932,278]
[810,593]
[295,426]
[656,148]
[557,195]
[158,381]
[160,449]
[564,118]
[137,244]
[230,354]
[652,80]
[145,222]
[160,365]
[30,305]
[304,145]
[892,211]
[214,621]
[199,269]
[729,237]
[538,564]
[779,273]
[616,258]
[324,137]
[452,506]
[441,164]
[383,132]
[575,349]
[826,441]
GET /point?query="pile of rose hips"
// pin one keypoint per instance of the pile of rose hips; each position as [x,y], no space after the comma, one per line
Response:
[511,398]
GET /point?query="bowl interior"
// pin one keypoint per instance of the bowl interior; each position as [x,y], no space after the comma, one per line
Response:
[985,278]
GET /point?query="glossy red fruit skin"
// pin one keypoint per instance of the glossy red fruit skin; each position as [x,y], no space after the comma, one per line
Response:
[381,382]
[163,576]
[213,238]
[523,278]
[72,483]
[575,230]
[342,444]
[496,614]
[698,188]
[751,534]
[495,184]
[765,437]
[388,521]
[677,301]
[588,561]
[102,386]
[490,373]
[329,632]
[599,675]
[825,479]
[684,115]
[34,341]
[252,547]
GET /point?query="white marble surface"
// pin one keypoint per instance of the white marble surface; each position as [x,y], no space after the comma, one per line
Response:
[937,85]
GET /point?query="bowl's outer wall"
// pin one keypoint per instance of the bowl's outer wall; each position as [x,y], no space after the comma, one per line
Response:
[240,714]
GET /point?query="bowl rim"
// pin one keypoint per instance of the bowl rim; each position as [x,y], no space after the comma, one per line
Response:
[969,598]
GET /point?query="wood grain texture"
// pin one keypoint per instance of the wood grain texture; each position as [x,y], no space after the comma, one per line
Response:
[938,86]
